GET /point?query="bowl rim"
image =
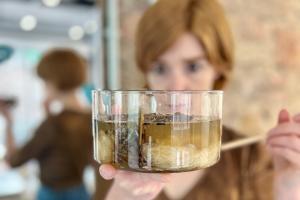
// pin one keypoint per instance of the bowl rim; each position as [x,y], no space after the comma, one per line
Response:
[159,91]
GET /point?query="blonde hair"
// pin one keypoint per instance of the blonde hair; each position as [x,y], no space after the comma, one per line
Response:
[164,22]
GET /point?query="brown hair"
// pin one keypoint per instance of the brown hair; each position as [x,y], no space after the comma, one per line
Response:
[63,67]
[164,22]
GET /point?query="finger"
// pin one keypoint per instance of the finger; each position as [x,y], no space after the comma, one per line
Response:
[283,116]
[296,118]
[108,172]
[142,177]
[161,178]
[278,161]
[285,129]
[128,179]
[149,190]
[137,180]
[288,154]
[145,197]
[138,184]
[291,142]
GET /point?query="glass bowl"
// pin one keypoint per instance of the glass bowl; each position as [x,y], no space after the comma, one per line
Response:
[157,131]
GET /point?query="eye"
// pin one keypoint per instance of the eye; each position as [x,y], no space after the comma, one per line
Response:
[193,67]
[160,69]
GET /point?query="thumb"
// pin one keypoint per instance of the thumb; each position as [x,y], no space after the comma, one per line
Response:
[107,171]
[284,116]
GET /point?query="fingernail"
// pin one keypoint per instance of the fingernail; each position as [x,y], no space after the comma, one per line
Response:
[106,174]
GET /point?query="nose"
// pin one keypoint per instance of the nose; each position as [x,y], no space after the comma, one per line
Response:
[178,81]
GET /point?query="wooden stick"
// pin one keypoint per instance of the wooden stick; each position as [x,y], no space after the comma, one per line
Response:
[242,142]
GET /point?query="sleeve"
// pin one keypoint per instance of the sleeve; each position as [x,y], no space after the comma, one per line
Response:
[36,146]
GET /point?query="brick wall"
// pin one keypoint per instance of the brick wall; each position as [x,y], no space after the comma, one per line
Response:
[267,69]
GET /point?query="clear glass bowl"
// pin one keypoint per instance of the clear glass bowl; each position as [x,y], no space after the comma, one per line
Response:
[157,131]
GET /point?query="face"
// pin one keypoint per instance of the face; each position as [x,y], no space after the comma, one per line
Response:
[182,67]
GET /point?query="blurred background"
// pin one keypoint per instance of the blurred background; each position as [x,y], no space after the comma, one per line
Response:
[267,65]
[28,28]
[265,79]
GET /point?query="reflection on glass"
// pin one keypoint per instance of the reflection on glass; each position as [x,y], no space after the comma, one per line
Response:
[157,131]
